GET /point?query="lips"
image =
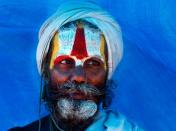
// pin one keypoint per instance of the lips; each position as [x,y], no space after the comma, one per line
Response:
[78,96]
[75,94]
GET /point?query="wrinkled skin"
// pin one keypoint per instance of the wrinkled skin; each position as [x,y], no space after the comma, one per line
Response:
[93,72]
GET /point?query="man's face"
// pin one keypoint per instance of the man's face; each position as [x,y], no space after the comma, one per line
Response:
[78,72]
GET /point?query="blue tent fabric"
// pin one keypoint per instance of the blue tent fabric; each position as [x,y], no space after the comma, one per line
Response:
[146,91]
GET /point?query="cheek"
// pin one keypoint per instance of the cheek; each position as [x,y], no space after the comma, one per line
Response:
[96,78]
[58,77]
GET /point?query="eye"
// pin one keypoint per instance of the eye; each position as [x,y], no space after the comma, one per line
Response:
[92,63]
[66,61]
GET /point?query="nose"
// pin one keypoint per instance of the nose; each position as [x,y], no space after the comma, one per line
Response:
[78,75]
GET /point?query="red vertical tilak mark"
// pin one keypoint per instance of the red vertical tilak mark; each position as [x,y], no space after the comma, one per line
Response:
[79,48]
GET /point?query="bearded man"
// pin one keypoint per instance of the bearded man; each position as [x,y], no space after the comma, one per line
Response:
[79,48]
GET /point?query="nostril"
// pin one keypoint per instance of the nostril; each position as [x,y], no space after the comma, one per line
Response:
[78,79]
[78,82]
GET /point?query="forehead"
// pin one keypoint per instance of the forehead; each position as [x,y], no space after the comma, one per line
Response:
[78,38]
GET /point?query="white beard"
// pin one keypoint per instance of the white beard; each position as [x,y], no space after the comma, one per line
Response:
[76,109]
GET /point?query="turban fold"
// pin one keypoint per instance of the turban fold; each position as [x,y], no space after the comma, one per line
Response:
[73,10]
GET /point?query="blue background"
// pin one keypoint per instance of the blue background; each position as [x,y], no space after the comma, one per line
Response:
[146,77]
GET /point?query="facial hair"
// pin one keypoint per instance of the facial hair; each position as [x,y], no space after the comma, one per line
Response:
[74,112]
[76,109]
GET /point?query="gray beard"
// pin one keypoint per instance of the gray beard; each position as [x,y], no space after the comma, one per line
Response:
[76,109]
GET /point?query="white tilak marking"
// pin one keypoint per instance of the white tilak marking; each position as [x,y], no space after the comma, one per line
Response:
[79,62]
[92,37]
[66,41]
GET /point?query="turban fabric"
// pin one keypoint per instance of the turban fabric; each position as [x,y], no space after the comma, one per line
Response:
[71,11]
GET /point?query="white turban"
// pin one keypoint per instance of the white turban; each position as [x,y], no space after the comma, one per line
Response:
[71,11]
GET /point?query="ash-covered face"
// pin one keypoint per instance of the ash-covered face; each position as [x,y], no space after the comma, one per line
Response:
[78,71]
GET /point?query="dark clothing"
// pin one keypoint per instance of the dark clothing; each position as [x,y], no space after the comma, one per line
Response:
[105,121]
[45,126]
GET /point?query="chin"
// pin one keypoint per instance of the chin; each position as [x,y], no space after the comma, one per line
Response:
[76,109]
[75,113]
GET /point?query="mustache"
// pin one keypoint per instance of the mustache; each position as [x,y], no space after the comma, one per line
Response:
[69,87]
[86,89]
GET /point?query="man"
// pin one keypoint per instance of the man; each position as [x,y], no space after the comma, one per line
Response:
[79,49]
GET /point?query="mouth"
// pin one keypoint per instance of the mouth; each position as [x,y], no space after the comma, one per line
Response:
[78,96]
[74,93]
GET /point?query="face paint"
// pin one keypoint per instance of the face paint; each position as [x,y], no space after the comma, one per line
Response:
[78,42]
[76,109]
